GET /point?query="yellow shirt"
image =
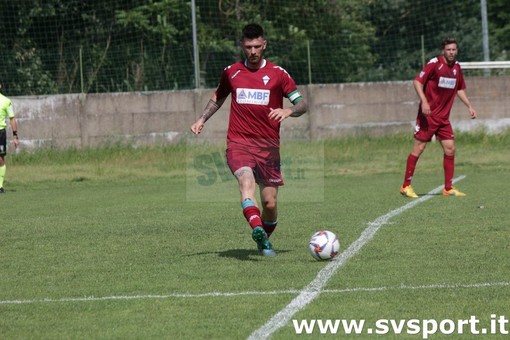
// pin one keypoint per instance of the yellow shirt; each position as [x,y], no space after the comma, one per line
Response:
[5,111]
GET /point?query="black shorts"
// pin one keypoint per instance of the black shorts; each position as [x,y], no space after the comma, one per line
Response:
[3,142]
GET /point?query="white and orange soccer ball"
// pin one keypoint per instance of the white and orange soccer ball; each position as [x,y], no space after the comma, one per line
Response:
[324,245]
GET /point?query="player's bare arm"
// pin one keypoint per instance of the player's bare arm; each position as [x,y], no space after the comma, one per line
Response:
[299,108]
[210,109]
[425,107]
[14,127]
[295,111]
[463,97]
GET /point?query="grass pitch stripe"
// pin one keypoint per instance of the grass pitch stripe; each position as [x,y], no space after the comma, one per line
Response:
[314,288]
[258,293]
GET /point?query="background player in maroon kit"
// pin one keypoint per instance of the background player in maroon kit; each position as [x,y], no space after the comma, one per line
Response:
[437,85]
[257,88]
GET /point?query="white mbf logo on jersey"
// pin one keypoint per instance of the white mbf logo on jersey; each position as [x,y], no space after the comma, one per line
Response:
[252,96]
[447,83]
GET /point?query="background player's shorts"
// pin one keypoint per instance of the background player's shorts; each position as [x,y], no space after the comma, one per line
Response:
[3,142]
[265,163]
[427,127]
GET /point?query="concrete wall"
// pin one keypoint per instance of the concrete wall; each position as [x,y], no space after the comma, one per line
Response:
[78,120]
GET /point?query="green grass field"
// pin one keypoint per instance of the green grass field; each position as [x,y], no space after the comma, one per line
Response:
[123,243]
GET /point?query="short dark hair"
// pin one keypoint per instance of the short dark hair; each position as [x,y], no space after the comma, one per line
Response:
[448,41]
[252,31]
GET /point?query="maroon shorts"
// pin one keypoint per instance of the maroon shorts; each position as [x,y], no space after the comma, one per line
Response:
[427,127]
[265,163]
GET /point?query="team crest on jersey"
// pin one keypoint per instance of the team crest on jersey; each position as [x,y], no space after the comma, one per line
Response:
[252,96]
[265,79]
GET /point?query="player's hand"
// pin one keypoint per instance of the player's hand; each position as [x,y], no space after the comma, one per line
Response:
[472,112]
[197,127]
[16,143]
[279,114]
[425,108]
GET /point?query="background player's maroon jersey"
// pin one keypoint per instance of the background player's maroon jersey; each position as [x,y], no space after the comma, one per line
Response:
[441,83]
[253,93]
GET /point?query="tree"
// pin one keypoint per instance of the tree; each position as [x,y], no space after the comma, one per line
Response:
[409,33]
[335,31]
[65,46]
[498,12]
[23,69]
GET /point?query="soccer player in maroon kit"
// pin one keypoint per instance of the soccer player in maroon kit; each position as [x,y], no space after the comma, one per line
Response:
[257,88]
[437,85]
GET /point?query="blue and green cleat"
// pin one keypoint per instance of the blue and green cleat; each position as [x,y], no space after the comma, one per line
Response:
[265,248]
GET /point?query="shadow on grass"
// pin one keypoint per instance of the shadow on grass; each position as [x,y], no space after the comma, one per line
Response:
[426,194]
[240,254]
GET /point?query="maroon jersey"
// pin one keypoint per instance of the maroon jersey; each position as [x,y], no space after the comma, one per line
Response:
[441,83]
[254,93]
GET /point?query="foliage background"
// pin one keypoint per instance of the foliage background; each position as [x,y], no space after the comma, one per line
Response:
[73,46]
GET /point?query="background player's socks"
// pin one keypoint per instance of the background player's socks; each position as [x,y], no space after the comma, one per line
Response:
[2,175]
[449,166]
[410,166]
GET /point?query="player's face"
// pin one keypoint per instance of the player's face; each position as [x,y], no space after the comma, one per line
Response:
[254,50]
[450,53]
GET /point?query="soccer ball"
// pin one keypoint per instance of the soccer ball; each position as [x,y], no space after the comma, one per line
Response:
[324,245]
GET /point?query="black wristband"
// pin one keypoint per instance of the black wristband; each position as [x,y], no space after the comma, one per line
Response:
[15,133]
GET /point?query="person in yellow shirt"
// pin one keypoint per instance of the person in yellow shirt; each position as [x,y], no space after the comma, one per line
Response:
[6,111]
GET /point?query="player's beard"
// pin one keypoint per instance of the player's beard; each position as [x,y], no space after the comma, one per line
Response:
[254,60]
[450,59]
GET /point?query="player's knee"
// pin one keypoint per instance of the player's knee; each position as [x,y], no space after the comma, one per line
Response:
[450,150]
[269,205]
[418,148]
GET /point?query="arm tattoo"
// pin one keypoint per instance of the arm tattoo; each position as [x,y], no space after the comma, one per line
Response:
[210,109]
[299,108]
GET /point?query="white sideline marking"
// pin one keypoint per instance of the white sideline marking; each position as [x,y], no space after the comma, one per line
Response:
[433,286]
[314,288]
[275,292]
